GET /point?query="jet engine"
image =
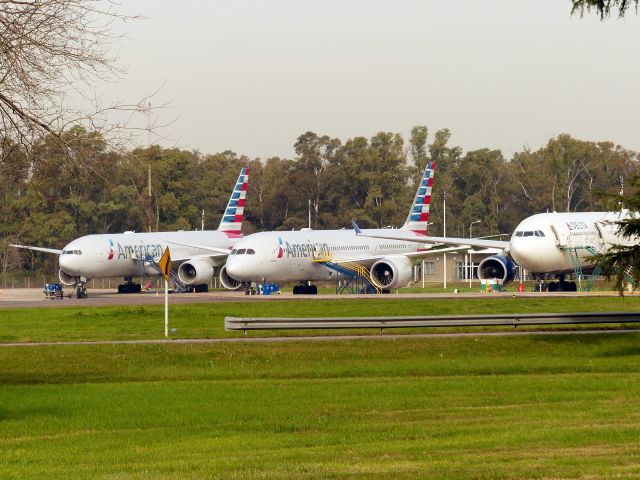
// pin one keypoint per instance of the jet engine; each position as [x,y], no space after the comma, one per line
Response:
[66,278]
[228,281]
[195,272]
[391,272]
[497,266]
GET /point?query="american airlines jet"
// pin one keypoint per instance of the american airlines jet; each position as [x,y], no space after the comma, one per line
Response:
[196,253]
[302,256]
[546,243]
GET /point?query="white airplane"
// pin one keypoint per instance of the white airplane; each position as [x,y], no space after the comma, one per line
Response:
[196,253]
[543,244]
[313,255]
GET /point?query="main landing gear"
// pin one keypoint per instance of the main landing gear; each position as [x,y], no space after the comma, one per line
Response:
[129,287]
[305,289]
[560,286]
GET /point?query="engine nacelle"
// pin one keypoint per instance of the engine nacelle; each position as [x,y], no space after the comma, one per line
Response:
[228,281]
[391,272]
[66,278]
[195,272]
[497,266]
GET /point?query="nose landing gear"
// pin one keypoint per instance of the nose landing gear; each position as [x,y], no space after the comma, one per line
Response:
[81,292]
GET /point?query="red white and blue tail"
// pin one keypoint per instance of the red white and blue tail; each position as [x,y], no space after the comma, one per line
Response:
[418,218]
[231,222]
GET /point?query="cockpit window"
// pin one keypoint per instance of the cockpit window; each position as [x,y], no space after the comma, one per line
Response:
[233,252]
[250,251]
[72,252]
[528,234]
[241,251]
[518,234]
[540,233]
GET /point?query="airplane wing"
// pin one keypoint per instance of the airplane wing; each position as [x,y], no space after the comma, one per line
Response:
[38,249]
[215,252]
[367,260]
[450,241]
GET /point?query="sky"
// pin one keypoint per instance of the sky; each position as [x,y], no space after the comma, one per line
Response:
[252,75]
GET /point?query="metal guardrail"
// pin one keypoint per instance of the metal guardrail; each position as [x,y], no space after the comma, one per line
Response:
[510,319]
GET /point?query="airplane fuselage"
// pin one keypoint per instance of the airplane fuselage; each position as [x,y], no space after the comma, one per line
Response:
[289,256]
[546,242]
[128,254]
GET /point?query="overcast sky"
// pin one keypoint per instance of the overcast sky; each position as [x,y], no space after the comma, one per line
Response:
[252,75]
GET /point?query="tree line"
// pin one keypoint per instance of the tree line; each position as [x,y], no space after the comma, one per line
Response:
[63,187]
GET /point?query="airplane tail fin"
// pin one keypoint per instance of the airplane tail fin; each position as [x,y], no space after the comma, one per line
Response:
[418,218]
[234,213]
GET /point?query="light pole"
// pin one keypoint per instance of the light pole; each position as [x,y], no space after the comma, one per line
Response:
[444,234]
[470,257]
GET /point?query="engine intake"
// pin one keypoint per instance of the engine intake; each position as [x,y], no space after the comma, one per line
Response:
[195,272]
[497,266]
[228,281]
[66,278]
[391,272]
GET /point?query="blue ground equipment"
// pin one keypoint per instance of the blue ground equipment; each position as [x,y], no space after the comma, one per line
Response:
[53,291]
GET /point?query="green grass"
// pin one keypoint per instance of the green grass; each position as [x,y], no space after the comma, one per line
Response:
[207,320]
[479,407]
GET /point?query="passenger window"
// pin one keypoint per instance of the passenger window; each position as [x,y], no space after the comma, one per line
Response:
[250,251]
[241,251]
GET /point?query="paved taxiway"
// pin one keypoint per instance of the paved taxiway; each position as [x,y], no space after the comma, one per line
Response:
[323,338]
[33,297]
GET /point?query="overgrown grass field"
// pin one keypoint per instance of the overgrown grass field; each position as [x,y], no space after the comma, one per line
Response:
[483,407]
[473,407]
[207,320]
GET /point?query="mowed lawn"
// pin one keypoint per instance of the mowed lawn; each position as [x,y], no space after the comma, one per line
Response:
[207,320]
[474,407]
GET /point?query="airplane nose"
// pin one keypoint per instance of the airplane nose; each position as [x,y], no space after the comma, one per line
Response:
[234,267]
[67,264]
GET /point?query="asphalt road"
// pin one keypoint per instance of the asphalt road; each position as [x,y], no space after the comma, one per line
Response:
[33,297]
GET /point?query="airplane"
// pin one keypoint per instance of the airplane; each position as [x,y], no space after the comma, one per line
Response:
[195,253]
[544,244]
[302,256]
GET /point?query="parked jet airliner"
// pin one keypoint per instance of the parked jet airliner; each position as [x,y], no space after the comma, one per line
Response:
[546,243]
[130,254]
[293,256]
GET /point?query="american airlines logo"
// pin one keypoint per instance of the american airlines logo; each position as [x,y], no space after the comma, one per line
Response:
[138,251]
[298,250]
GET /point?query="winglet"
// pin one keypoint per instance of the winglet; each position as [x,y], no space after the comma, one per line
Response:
[356,227]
